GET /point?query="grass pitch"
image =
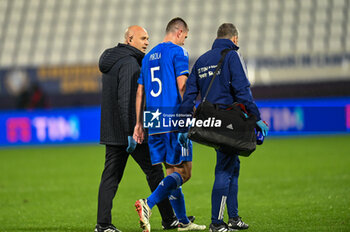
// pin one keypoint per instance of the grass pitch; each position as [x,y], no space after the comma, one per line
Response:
[288,184]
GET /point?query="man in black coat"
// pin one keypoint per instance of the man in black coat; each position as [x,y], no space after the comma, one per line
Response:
[120,67]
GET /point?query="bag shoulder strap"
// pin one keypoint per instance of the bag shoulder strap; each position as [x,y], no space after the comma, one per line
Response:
[223,55]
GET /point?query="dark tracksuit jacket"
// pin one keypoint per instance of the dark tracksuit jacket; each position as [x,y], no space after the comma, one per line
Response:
[230,85]
[118,117]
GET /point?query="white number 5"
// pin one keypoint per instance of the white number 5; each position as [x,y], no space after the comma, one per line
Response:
[155,79]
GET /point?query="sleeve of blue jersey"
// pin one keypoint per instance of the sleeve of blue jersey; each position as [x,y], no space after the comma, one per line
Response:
[181,62]
[140,79]
[189,99]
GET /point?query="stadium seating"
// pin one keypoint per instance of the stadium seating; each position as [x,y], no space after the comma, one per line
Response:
[61,32]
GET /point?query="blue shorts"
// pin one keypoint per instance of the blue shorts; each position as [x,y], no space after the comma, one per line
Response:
[164,148]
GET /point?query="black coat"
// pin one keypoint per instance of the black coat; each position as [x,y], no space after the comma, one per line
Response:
[120,67]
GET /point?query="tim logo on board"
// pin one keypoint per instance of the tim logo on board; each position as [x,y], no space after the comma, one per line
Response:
[18,130]
[42,129]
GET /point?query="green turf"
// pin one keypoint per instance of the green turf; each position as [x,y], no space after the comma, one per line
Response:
[289,184]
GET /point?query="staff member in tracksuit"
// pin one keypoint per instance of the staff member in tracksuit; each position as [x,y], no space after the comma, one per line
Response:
[120,67]
[231,85]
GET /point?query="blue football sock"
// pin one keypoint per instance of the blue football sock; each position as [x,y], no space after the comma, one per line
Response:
[165,187]
[177,201]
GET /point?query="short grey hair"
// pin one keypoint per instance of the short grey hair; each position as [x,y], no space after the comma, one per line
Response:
[227,31]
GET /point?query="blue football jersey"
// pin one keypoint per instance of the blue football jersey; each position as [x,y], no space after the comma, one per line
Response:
[160,68]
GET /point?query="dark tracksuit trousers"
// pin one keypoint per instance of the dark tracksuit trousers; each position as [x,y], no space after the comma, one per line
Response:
[116,158]
[225,187]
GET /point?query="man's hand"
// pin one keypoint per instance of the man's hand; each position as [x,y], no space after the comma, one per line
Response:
[182,139]
[263,126]
[138,133]
[131,145]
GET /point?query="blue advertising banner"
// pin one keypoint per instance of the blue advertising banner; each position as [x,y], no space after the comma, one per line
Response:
[50,126]
[82,125]
[306,116]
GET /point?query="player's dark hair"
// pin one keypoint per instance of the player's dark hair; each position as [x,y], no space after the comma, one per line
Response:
[175,23]
[227,31]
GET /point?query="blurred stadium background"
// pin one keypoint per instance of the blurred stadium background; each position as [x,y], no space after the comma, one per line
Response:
[297,50]
[303,43]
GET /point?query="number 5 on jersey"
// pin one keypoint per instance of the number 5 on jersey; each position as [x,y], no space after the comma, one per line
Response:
[155,79]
